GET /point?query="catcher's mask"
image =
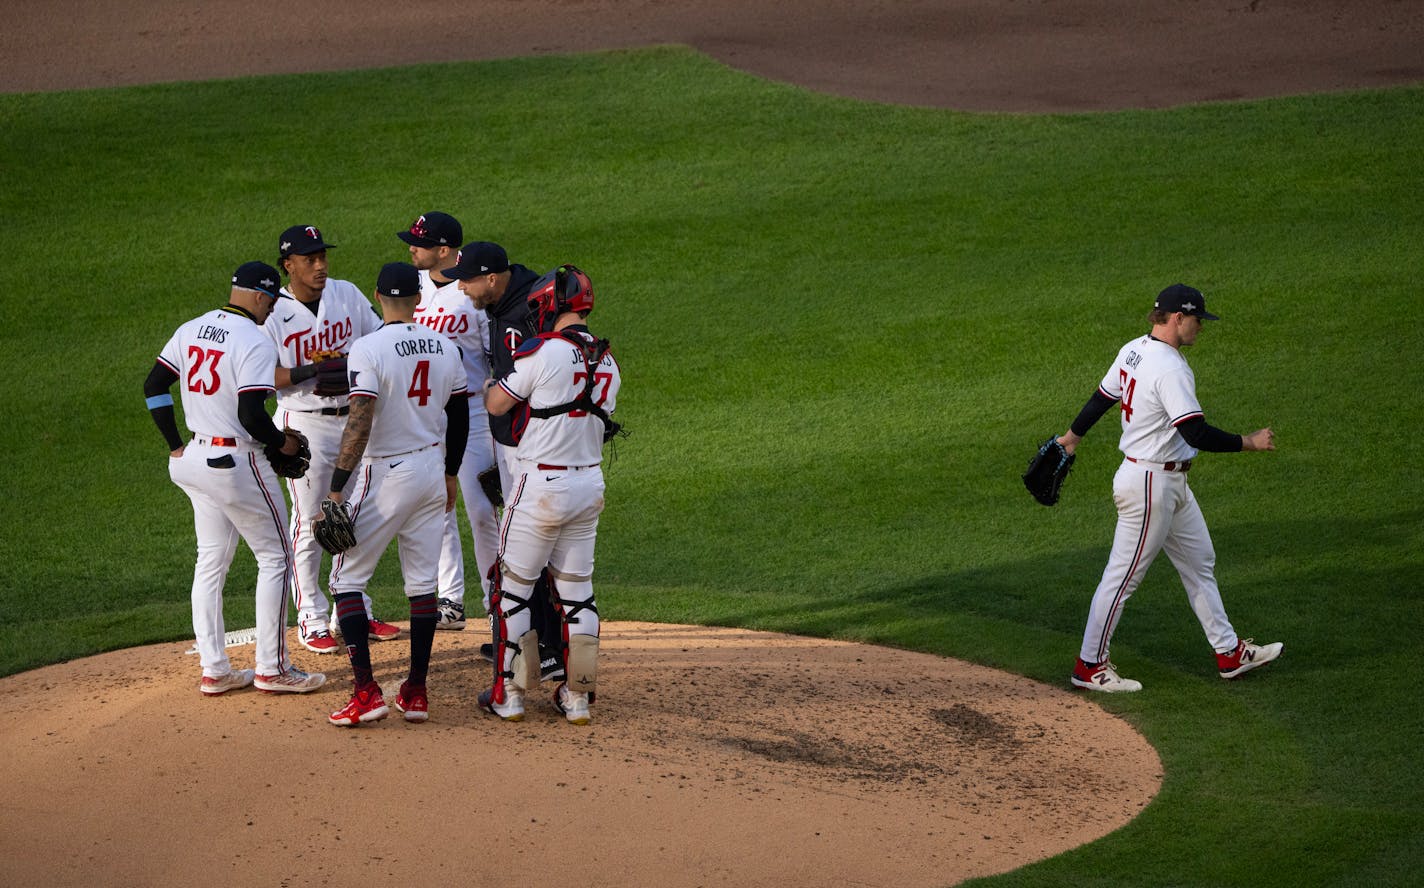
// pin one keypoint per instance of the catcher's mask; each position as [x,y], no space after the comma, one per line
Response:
[567,288]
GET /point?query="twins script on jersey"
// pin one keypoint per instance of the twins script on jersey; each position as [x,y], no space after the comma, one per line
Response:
[550,371]
[1157,392]
[343,315]
[446,310]
[218,356]
[412,373]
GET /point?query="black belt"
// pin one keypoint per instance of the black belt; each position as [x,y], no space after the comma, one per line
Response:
[329,411]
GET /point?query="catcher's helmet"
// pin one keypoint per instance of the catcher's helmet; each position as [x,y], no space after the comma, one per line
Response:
[566,288]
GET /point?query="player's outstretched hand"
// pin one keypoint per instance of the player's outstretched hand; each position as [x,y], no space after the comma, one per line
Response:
[1261,439]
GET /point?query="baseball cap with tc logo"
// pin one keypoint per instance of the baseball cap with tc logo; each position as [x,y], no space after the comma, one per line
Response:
[433,230]
[301,240]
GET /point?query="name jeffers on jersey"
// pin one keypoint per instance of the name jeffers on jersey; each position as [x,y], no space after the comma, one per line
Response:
[331,338]
[419,347]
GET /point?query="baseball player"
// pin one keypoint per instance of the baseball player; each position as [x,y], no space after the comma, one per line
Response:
[225,367]
[485,275]
[562,389]
[315,318]
[434,239]
[1163,429]
[407,399]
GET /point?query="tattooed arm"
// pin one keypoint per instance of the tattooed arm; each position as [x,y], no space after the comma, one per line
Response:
[353,443]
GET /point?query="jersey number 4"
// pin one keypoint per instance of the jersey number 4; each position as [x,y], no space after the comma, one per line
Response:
[420,383]
[198,381]
[1129,385]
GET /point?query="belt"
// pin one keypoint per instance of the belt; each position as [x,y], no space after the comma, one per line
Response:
[545,467]
[328,411]
[1182,466]
[215,442]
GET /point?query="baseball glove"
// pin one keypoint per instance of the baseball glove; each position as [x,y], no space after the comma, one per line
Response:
[334,528]
[290,465]
[1047,470]
[331,378]
[489,483]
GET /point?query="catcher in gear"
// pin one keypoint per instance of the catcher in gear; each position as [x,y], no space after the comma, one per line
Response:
[1047,470]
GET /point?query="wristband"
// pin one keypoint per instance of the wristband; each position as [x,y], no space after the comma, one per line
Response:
[339,477]
[303,373]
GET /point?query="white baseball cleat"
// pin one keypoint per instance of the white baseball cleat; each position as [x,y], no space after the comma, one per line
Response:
[1102,677]
[573,704]
[1246,657]
[293,681]
[511,710]
[237,678]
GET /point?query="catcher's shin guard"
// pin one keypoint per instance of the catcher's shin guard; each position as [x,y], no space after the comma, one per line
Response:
[507,659]
[581,671]
[573,596]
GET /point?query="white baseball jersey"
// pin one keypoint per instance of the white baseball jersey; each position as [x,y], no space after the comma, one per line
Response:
[550,371]
[444,309]
[1157,392]
[217,356]
[343,316]
[412,373]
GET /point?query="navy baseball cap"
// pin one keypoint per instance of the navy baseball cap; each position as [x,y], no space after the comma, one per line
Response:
[475,259]
[301,240]
[1188,300]
[434,230]
[399,280]
[258,276]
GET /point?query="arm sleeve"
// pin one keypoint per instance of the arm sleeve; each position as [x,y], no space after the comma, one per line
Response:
[1099,404]
[1196,431]
[160,403]
[252,413]
[457,431]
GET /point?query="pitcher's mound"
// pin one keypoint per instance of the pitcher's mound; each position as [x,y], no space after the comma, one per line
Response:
[715,757]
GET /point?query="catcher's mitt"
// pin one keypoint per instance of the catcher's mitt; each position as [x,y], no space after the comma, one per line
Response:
[1047,470]
[334,528]
[489,483]
[290,465]
[331,378]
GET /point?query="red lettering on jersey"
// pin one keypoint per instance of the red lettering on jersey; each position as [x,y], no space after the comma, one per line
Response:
[449,324]
[199,356]
[332,337]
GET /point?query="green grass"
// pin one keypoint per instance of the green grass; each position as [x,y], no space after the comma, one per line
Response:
[843,329]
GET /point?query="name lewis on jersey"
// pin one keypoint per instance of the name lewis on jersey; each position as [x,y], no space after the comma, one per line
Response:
[213,334]
[331,337]
[405,347]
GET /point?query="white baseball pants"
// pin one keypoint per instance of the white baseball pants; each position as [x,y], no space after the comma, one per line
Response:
[324,438]
[1156,511]
[236,493]
[484,528]
[398,498]
[550,518]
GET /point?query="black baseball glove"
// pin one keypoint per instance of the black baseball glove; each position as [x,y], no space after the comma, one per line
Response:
[1047,470]
[290,465]
[489,483]
[334,528]
[331,378]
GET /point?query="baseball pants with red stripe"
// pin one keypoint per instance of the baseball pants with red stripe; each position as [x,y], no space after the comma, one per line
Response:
[1156,511]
